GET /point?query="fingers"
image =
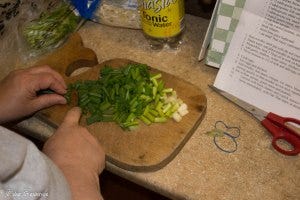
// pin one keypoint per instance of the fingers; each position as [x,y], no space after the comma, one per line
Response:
[72,117]
[45,78]
[49,70]
[48,100]
[45,81]
[19,91]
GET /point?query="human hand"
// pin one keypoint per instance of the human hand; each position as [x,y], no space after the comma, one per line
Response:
[73,145]
[18,92]
[78,154]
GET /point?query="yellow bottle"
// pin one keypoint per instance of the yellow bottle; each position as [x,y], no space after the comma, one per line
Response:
[162,22]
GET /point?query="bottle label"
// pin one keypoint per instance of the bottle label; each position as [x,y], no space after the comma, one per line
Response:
[162,18]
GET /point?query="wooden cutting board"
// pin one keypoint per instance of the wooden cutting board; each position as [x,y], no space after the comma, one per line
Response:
[148,148]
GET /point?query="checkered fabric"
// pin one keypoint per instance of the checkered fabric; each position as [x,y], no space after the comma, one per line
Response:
[228,14]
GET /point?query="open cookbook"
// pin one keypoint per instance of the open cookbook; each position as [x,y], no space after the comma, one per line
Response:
[262,63]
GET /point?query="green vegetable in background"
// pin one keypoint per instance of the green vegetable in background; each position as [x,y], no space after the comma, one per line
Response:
[126,95]
[51,28]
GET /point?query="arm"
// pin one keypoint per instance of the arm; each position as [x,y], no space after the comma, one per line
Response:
[78,154]
[72,148]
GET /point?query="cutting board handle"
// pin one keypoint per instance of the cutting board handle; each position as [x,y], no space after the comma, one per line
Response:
[70,57]
[81,63]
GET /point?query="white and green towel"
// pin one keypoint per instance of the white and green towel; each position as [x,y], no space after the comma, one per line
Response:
[226,19]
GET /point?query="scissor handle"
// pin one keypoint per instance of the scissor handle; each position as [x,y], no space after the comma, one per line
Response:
[281,121]
[283,133]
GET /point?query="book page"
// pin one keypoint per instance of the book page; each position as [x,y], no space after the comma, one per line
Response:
[262,65]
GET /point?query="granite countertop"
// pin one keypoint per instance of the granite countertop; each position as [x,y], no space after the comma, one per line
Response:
[200,170]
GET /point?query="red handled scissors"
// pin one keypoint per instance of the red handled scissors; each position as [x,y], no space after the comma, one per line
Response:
[281,128]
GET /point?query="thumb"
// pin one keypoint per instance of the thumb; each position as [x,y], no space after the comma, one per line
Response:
[72,117]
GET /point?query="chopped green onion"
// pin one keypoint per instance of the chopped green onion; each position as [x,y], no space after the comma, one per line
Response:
[126,96]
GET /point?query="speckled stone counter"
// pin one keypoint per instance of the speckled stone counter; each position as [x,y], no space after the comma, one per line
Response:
[200,170]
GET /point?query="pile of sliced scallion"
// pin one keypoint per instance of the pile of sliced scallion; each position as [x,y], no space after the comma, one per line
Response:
[127,95]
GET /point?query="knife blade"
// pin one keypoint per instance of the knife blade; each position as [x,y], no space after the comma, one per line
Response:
[256,112]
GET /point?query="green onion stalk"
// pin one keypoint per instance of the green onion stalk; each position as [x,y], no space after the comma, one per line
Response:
[51,28]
